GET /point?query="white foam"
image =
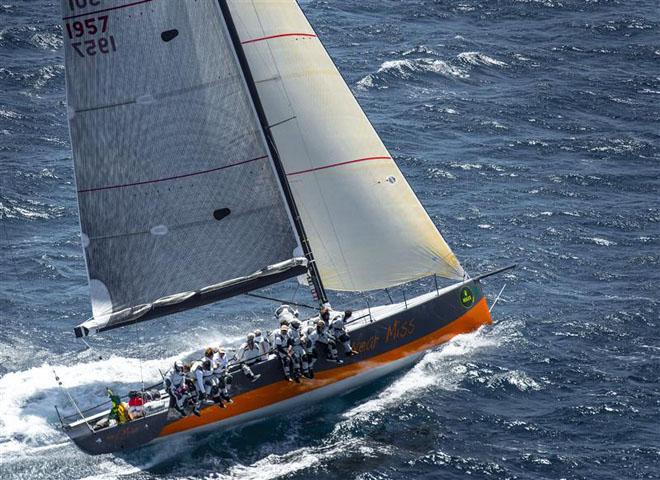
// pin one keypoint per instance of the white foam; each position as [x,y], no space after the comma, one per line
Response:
[29,422]
[437,369]
[277,466]
[601,241]
[407,68]
[478,58]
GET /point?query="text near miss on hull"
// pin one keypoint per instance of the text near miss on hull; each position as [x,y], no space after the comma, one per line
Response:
[218,151]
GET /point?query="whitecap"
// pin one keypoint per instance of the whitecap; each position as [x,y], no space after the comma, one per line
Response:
[478,58]
[601,241]
[407,68]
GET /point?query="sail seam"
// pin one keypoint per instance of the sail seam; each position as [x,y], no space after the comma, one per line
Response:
[148,98]
[339,164]
[176,177]
[109,9]
[270,37]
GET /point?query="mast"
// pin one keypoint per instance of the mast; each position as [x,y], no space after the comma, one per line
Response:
[318,291]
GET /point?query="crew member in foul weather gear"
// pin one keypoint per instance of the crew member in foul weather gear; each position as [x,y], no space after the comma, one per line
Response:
[282,348]
[308,342]
[285,312]
[136,403]
[248,355]
[338,331]
[204,381]
[118,412]
[323,337]
[176,387]
[212,388]
[220,361]
[222,377]
[263,342]
[298,355]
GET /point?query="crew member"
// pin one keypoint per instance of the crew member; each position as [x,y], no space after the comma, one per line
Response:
[338,329]
[282,346]
[136,402]
[248,355]
[220,361]
[323,337]
[223,377]
[298,355]
[118,412]
[204,381]
[175,386]
[263,342]
[308,341]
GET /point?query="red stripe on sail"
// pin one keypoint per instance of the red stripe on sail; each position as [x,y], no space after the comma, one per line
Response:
[177,177]
[109,9]
[366,159]
[261,39]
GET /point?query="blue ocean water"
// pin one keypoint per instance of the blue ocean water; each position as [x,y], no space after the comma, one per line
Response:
[530,130]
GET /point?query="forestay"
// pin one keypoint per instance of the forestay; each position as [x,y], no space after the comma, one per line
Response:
[179,202]
[366,227]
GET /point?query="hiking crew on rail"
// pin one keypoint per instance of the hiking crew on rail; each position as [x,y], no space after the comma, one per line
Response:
[208,380]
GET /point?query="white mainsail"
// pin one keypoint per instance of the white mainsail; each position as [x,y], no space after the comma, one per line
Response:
[179,202]
[365,225]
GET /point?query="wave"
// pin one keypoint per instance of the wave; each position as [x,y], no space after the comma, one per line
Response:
[37,79]
[409,68]
[480,59]
[28,210]
[30,36]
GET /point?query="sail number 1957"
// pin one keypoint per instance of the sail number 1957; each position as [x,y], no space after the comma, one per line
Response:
[91,27]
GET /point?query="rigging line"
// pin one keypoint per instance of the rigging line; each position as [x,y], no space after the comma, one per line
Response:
[73,402]
[295,292]
[283,302]
[137,331]
[91,348]
[496,299]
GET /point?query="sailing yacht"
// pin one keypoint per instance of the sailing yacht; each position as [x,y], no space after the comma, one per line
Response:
[217,151]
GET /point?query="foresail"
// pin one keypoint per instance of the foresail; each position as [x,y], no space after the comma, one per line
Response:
[366,227]
[177,193]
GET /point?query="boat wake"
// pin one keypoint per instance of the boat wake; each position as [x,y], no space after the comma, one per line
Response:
[29,421]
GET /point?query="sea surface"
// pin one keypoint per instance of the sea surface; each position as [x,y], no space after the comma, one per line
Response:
[530,130]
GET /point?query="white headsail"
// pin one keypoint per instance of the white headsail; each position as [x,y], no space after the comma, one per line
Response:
[179,202]
[365,225]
